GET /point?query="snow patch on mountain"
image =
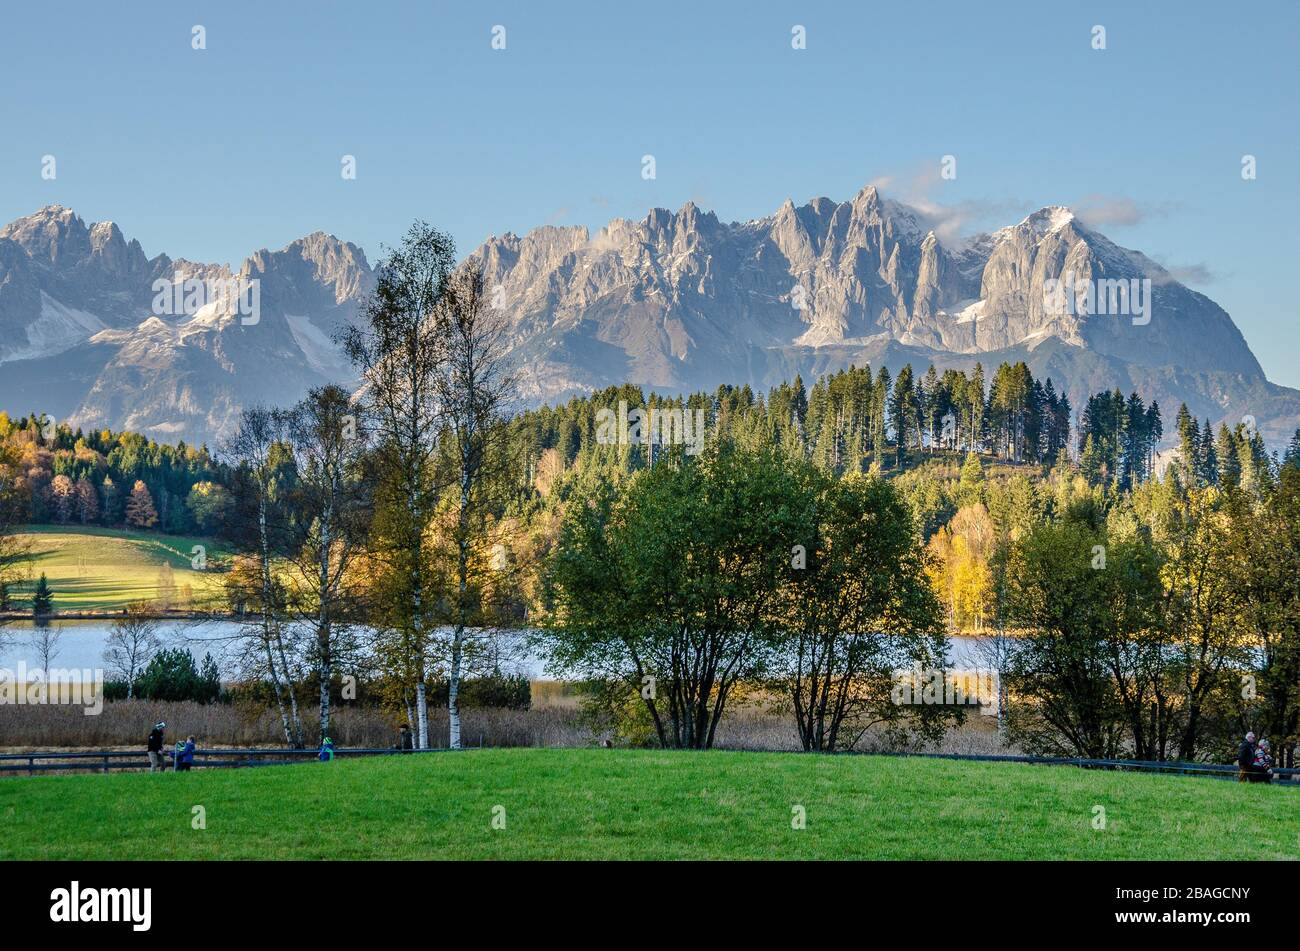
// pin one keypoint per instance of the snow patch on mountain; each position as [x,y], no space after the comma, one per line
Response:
[58,328]
[321,353]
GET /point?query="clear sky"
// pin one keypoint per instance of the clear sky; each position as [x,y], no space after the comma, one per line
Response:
[211,154]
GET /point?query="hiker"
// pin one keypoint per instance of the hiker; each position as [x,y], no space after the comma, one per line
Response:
[1246,758]
[185,755]
[404,740]
[157,762]
[326,750]
[1263,764]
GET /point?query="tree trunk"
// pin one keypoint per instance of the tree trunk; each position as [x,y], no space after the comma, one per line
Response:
[453,690]
[422,711]
[267,620]
[462,588]
[323,624]
[293,698]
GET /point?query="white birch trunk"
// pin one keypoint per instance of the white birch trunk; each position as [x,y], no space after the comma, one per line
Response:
[422,714]
[453,690]
[267,622]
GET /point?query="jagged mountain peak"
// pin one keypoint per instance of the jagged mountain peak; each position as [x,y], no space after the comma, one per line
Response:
[53,234]
[676,300]
[1049,219]
[672,302]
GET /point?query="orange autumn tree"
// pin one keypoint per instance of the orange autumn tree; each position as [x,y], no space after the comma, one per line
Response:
[140,511]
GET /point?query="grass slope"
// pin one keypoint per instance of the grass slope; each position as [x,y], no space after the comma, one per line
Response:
[623,804]
[93,569]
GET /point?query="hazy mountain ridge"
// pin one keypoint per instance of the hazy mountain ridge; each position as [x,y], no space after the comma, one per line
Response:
[171,375]
[676,301]
[682,301]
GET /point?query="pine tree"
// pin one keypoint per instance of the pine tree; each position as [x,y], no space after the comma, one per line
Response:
[880,399]
[976,407]
[1135,442]
[1189,446]
[1209,460]
[932,404]
[42,598]
[1292,457]
[970,485]
[1155,430]
[1092,465]
[903,408]
[1229,456]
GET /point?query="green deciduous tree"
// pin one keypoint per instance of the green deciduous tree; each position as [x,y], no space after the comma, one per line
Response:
[860,610]
[669,586]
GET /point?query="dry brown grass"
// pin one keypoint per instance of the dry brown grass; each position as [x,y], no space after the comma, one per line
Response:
[127,724]
[555,720]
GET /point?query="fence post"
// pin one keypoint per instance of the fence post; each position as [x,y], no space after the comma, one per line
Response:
[105,762]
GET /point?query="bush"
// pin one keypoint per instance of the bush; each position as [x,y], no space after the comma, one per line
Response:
[499,691]
[173,675]
[613,709]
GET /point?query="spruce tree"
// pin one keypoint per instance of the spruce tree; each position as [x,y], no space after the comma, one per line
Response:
[42,598]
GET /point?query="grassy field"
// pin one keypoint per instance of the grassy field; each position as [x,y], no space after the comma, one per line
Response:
[101,569]
[621,804]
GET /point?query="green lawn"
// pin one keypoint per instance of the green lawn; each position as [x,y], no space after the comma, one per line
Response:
[620,804]
[93,569]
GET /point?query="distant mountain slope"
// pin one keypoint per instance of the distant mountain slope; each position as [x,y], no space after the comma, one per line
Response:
[682,301]
[676,301]
[81,336]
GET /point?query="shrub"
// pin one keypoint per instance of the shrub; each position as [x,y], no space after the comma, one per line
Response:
[498,691]
[173,675]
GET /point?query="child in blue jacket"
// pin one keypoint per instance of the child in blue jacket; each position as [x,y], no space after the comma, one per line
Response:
[185,755]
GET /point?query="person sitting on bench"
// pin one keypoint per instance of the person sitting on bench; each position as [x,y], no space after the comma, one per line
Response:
[1263,771]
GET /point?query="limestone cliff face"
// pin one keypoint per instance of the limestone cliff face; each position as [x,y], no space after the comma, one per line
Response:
[677,300]
[82,339]
[681,300]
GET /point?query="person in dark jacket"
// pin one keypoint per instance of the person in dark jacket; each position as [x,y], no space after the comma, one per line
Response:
[404,739]
[1246,759]
[157,762]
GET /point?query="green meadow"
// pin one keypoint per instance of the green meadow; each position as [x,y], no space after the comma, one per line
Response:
[634,804]
[101,569]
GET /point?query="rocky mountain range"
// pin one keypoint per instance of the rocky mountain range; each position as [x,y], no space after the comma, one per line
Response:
[83,337]
[677,301]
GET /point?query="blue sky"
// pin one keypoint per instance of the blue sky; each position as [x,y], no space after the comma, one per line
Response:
[212,154]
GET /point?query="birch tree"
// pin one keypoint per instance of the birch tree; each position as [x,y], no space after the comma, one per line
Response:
[132,642]
[330,519]
[258,446]
[399,351]
[475,389]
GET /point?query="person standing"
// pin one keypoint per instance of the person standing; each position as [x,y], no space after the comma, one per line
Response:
[185,755]
[404,739]
[157,762]
[326,750]
[1246,758]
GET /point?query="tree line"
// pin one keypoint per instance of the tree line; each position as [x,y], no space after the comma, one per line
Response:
[62,476]
[820,541]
